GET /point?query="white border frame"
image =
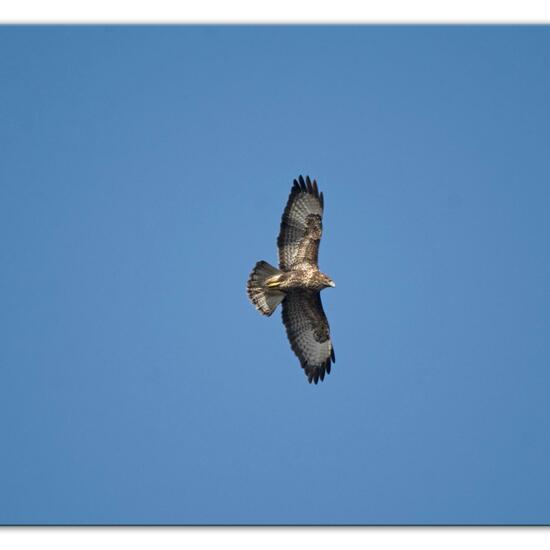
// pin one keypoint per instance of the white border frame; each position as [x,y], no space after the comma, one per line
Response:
[282,11]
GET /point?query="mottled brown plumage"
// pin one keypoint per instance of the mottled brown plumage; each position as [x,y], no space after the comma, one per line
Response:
[298,282]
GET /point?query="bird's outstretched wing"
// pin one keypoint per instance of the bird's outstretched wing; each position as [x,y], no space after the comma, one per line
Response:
[308,331]
[301,225]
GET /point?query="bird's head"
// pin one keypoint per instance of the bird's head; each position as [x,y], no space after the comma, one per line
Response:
[327,281]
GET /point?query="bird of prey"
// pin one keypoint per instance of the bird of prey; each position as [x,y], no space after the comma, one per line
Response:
[298,282]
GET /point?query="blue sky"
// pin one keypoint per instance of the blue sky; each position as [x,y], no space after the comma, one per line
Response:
[144,171]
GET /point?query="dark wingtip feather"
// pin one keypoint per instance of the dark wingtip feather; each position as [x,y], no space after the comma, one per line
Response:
[307,186]
[315,188]
[332,356]
[321,199]
[314,374]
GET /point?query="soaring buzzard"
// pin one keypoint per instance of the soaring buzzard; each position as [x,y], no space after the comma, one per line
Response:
[298,282]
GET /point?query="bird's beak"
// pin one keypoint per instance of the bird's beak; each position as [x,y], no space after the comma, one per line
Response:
[332,284]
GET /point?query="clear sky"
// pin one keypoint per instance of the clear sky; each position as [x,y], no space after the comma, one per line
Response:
[143,172]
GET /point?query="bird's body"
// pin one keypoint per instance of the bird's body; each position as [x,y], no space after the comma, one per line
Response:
[304,278]
[298,282]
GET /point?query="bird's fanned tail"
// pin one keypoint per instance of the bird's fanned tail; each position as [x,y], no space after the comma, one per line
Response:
[265,299]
